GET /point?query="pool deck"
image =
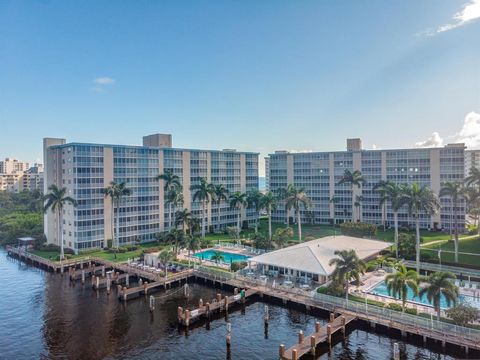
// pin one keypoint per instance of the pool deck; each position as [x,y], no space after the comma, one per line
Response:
[183,255]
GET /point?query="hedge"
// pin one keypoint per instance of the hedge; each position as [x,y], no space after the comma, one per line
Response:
[358,229]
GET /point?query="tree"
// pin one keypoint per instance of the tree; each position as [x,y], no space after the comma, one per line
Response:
[164,257]
[174,199]
[406,245]
[334,200]
[438,284]
[472,197]
[238,201]
[254,200]
[399,282]
[193,243]
[462,314]
[282,235]
[170,182]
[296,197]
[220,194]
[203,193]
[348,266]
[354,178]
[420,199]
[269,203]
[177,238]
[474,177]
[217,257]
[358,204]
[55,200]
[183,218]
[380,188]
[116,192]
[395,194]
[455,191]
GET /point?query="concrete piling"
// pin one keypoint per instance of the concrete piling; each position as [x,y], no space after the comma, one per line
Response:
[127,280]
[152,303]
[300,337]
[98,282]
[83,276]
[396,352]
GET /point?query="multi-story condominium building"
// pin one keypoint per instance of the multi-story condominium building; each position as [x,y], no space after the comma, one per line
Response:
[86,169]
[472,159]
[320,172]
[267,173]
[18,180]
[13,166]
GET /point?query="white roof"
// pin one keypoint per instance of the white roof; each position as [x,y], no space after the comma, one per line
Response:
[314,256]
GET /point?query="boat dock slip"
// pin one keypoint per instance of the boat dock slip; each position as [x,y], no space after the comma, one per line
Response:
[145,288]
[216,305]
[307,345]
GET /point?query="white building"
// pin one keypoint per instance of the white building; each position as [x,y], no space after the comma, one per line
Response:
[472,159]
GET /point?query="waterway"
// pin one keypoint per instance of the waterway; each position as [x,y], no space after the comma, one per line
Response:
[43,316]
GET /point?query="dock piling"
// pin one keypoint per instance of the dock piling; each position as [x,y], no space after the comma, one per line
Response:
[103,271]
[83,277]
[281,351]
[229,337]
[98,282]
[300,337]
[152,303]
[127,280]
[396,352]
[313,344]
[329,333]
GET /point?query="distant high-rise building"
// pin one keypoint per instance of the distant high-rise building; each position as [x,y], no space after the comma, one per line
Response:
[13,166]
[472,159]
[319,173]
[267,173]
[86,169]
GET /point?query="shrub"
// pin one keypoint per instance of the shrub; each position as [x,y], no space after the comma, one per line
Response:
[49,247]
[152,249]
[109,243]
[358,229]
[462,314]
[411,311]
[239,265]
[333,289]
[371,266]
[395,307]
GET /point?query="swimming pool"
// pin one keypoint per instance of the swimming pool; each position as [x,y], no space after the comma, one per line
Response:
[227,257]
[381,289]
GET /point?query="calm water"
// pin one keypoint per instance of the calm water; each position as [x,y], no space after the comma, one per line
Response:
[43,316]
[227,257]
[381,289]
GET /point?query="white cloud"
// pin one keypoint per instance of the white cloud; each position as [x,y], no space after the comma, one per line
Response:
[470,12]
[470,132]
[433,141]
[104,81]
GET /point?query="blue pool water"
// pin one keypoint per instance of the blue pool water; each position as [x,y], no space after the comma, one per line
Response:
[227,257]
[381,289]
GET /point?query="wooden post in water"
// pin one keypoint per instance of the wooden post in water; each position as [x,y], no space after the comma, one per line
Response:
[98,282]
[108,285]
[343,324]
[140,282]
[332,317]
[145,290]
[312,344]
[93,279]
[124,294]
[179,314]
[281,351]
[317,326]
[396,352]
[229,337]
[103,271]
[152,303]
[127,280]
[329,333]
[187,317]
[226,303]
[207,310]
[266,316]
[300,337]
[200,303]
[294,354]
[83,277]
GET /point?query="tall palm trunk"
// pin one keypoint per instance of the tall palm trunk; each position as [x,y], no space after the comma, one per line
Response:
[203,219]
[347,280]
[395,220]
[353,207]
[170,216]
[417,242]
[385,218]
[299,223]
[270,225]
[60,233]
[218,214]
[117,219]
[456,230]
[238,219]
[112,223]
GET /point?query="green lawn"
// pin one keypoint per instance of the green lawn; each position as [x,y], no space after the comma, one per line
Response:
[466,246]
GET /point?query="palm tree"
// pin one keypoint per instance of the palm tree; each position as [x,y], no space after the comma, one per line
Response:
[380,188]
[183,219]
[348,266]
[399,282]
[176,237]
[203,192]
[420,199]
[472,197]
[354,178]
[254,200]
[297,197]
[170,182]
[164,257]
[438,284]
[55,200]
[455,191]
[334,200]
[358,204]
[238,201]
[116,191]
[216,257]
[269,203]
[395,194]
[474,177]
[281,236]
[220,194]
[192,242]
[174,199]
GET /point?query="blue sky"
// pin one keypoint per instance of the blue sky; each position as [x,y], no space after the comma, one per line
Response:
[252,75]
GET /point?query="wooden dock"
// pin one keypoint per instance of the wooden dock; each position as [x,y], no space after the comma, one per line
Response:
[307,345]
[147,287]
[216,305]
